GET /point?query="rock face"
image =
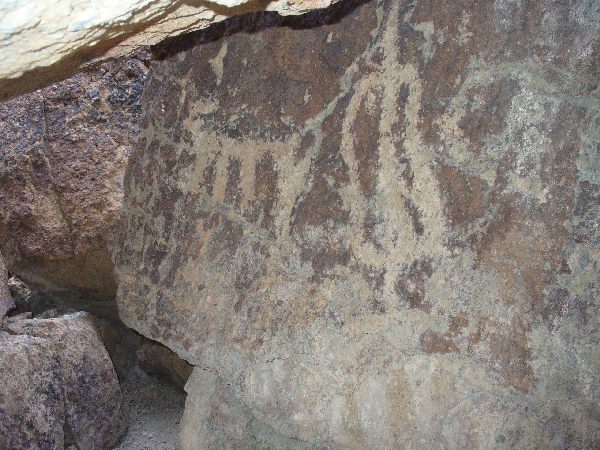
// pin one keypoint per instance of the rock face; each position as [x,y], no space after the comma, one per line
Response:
[62,160]
[375,227]
[46,42]
[6,301]
[59,387]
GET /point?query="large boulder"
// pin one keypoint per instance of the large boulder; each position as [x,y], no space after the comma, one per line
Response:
[64,151]
[44,42]
[31,399]
[59,387]
[375,227]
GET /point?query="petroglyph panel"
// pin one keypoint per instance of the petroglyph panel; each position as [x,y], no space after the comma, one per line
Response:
[374,226]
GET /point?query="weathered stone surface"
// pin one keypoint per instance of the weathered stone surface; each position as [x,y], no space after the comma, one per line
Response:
[45,42]
[156,359]
[375,227]
[31,400]
[62,161]
[6,301]
[59,386]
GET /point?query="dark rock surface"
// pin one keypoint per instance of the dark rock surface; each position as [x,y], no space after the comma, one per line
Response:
[62,160]
[59,386]
[156,359]
[375,227]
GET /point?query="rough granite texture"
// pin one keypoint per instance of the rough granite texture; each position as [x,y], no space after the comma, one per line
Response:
[375,226]
[6,301]
[59,387]
[42,42]
[30,394]
[62,161]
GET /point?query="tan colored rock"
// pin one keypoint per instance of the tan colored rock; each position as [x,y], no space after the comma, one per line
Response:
[6,301]
[59,386]
[44,42]
[375,227]
[64,151]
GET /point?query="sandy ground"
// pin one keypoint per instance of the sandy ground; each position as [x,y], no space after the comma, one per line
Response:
[153,409]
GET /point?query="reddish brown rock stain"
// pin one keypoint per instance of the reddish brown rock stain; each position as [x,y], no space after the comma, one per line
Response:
[486,114]
[209,174]
[233,192]
[510,350]
[266,188]
[365,133]
[464,194]
[434,342]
